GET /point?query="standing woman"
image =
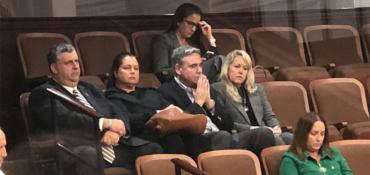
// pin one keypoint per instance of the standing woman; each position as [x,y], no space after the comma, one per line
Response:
[245,101]
[310,153]
[186,29]
[142,103]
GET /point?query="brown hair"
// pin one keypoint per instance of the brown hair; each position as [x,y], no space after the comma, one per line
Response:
[303,128]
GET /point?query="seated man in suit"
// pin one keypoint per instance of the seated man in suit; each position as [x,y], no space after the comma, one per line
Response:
[190,90]
[54,118]
[3,153]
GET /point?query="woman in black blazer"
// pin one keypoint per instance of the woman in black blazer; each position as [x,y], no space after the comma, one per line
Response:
[141,103]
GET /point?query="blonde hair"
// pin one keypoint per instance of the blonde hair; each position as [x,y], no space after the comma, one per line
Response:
[249,83]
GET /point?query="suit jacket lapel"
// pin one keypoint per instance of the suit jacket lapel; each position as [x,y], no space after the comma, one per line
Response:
[183,96]
[85,92]
[241,109]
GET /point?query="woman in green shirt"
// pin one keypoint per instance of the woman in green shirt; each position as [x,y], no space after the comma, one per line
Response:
[310,153]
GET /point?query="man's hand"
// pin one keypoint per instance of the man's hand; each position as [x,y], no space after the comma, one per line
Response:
[115,125]
[202,92]
[110,138]
[170,107]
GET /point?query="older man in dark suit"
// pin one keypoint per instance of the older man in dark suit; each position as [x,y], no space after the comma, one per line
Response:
[49,114]
[190,90]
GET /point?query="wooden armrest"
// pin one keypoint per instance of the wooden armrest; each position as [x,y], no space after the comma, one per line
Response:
[287,129]
[340,125]
[104,76]
[187,167]
[330,66]
[273,69]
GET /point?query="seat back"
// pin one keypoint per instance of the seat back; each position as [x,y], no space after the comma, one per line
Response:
[276,46]
[94,80]
[235,162]
[366,40]
[149,80]
[339,100]
[98,50]
[356,152]
[339,44]
[227,40]
[160,164]
[142,43]
[33,48]
[294,97]
[271,159]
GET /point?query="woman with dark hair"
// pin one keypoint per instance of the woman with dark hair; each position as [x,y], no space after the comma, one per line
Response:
[310,152]
[186,29]
[142,103]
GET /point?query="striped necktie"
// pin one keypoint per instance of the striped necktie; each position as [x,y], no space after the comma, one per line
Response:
[107,150]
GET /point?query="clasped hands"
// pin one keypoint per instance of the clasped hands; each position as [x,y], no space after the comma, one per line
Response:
[202,93]
[115,128]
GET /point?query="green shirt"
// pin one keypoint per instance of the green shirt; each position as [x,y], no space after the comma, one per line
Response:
[329,165]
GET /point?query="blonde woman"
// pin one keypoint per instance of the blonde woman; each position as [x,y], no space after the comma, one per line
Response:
[243,100]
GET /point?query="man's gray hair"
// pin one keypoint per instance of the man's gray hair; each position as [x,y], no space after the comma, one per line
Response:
[58,49]
[181,52]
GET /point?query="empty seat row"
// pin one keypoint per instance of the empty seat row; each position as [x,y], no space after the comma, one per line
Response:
[236,162]
[280,49]
[342,101]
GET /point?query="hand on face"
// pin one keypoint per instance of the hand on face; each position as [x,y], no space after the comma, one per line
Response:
[202,92]
[206,29]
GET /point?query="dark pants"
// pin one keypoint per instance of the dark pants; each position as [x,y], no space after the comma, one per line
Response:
[126,155]
[196,144]
[254,140]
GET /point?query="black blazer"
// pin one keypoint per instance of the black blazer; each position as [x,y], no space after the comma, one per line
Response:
[141,105]
[71,121]
[174,94]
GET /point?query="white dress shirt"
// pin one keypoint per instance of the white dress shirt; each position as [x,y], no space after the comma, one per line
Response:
[210,126]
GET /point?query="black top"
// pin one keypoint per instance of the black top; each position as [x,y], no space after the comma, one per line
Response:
[141,104]
[247,105]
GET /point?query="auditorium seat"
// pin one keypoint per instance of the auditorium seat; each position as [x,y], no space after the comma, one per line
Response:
[235,162]
[142,43]
[18,167]
[94,80]
[366,40]
[227,40]
[295,104]
[98,49]
[161,164]
[281,50]
[148,80]
[356,153]
[337,47]
[343,103]
[33,48]
[271,159]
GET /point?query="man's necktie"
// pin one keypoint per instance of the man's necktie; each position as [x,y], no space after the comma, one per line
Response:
[107,150]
